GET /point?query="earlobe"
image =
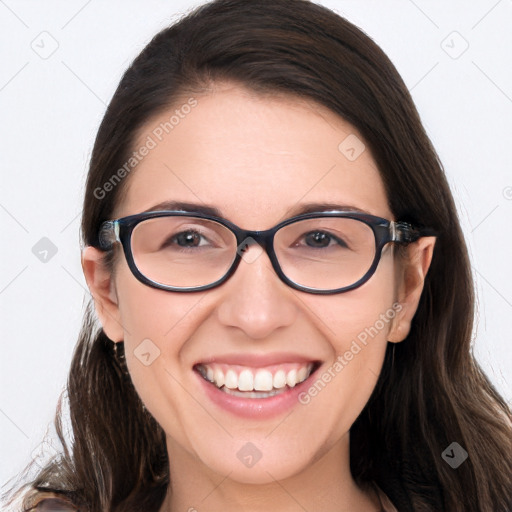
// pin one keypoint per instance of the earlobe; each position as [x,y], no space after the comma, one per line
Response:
[102,288]
[410,286]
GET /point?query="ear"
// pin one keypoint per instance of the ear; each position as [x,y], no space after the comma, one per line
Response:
[102,287]
[412,271]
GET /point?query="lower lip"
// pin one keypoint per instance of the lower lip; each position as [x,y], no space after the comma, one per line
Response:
[254,408]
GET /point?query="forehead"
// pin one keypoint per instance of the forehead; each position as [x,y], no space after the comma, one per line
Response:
[253,157]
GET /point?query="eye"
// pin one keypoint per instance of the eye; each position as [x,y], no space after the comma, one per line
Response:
[321,239]
[186,239]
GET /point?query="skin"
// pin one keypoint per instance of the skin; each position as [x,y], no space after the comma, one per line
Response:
[243,154]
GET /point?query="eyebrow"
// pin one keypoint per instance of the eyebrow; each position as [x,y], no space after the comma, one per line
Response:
[216,212]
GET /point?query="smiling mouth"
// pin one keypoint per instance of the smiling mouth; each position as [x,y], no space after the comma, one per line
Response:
[248,382]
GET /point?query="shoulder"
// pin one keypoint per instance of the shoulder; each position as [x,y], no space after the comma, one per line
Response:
[49,502]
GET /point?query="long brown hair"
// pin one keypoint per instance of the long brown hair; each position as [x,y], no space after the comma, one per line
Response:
[431,391]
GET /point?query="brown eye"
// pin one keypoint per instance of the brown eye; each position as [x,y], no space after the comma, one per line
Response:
[188,239]
[320,239]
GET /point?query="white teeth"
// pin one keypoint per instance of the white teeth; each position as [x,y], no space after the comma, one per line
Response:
[249,382]
[262,381]
[218,377]
[302,373]
[291,378]
[280,379]
[245,380]
[231,381]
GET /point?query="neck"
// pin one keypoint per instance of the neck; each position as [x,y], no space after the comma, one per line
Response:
[325,484]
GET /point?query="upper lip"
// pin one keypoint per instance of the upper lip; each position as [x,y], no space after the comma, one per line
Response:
[256,360]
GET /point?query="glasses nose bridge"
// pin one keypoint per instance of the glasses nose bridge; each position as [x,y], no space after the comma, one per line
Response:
[263,238]
[246,238]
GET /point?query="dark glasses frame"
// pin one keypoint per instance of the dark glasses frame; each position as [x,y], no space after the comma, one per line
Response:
[385,231]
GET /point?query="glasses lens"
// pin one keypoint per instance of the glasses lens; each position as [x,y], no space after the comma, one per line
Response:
[183,251]
[325,253]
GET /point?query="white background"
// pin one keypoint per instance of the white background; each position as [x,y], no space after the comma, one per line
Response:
[51,108]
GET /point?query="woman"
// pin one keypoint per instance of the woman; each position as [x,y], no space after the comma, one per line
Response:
[283,287]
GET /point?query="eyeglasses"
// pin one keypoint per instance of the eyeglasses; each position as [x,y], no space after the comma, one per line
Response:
[323,253]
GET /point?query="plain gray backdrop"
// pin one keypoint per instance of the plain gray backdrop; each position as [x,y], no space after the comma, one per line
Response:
[61,62]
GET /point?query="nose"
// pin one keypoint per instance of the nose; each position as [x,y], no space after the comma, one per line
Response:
[254,299]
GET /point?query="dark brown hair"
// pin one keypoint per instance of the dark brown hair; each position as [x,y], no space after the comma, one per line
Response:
[431,392]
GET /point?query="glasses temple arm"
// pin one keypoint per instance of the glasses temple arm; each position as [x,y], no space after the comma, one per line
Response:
[406,233]
[108,235]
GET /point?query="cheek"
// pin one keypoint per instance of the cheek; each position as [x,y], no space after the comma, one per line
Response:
[356,325]
[148,313]
[363,314]
[156,325]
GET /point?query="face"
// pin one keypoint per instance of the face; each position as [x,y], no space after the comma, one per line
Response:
[257,160]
